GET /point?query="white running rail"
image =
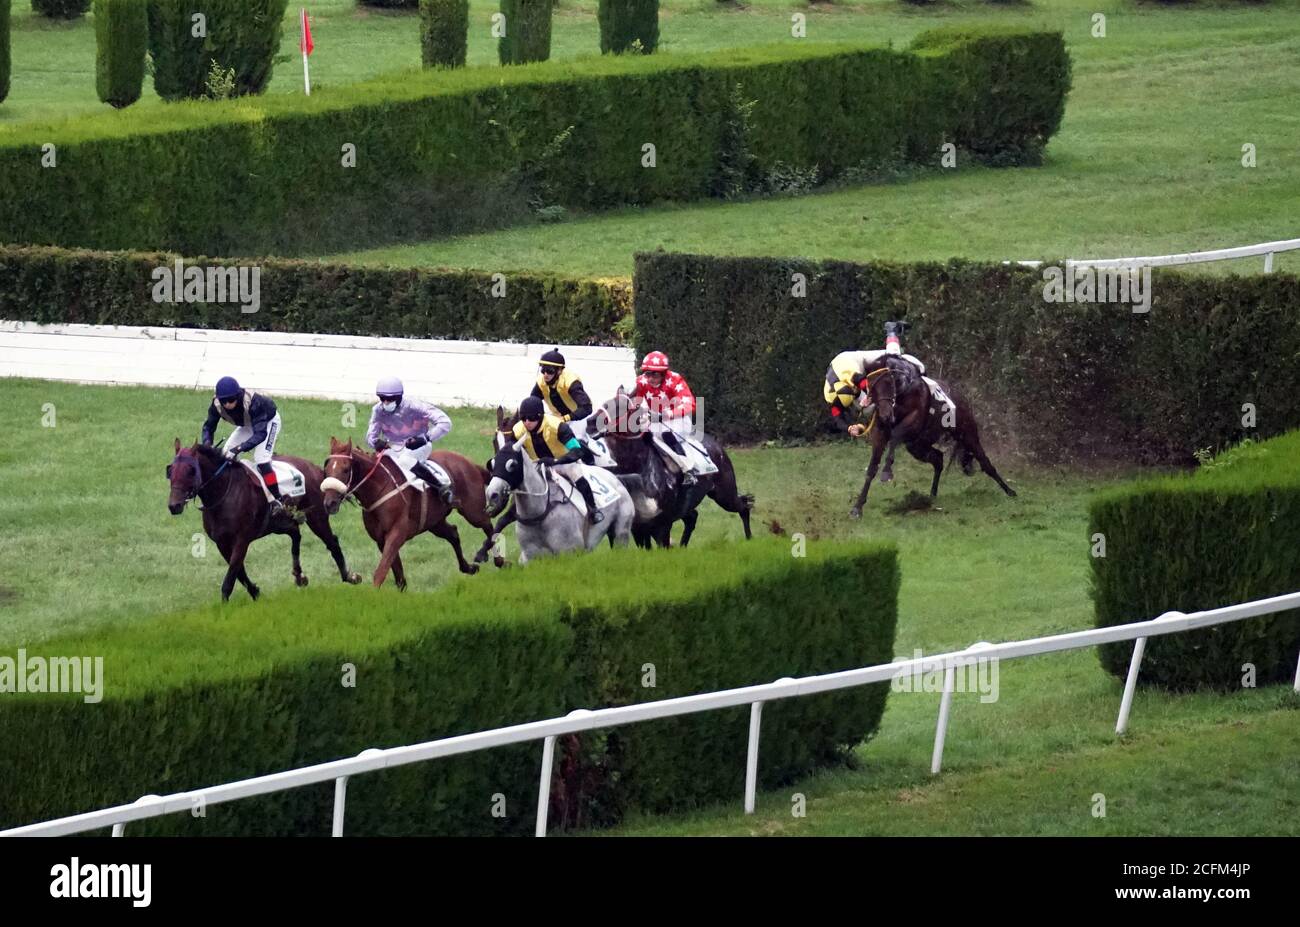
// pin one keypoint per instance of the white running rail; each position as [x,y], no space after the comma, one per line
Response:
[339,771]
[1267,250]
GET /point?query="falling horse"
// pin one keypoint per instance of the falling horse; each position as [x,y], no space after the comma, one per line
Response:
[909,410]
[236,513]
[659,497]
[394,512]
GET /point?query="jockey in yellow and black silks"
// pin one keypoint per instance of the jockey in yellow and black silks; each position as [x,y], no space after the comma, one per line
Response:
[846,378]
[561,390]
[550,440]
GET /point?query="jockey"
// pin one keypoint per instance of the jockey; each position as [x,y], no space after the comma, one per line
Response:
[562,391]
[550,440]
[846,379]
[257,425]
[413,426]
[671,405]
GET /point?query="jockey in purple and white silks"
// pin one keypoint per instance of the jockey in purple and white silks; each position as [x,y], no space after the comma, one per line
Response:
[405,429]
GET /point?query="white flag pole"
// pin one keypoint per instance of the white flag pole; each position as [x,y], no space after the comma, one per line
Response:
[306,71]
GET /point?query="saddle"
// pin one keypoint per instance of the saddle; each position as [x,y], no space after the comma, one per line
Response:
[292,483]
[906,376]
[601,490]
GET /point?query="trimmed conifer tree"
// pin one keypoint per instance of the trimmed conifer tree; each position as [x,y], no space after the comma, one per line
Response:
[444,33]
[121,38]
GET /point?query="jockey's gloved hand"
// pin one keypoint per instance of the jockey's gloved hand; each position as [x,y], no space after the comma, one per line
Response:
[416,441]
[380,444]
[230,453]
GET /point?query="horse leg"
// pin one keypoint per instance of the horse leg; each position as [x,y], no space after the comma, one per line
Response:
[449,534]
[987,466]
[877,448]
[319,523]
[493,535]
[235,570]
[728,497]
[641,536]
[689,520]
[887,475]
[295,546]
[388,551]
[931,455]
[399,574]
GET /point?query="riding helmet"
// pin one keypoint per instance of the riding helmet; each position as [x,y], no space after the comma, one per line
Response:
[655,361]
[553,358]
[228,388]
[389,386]
[531,408]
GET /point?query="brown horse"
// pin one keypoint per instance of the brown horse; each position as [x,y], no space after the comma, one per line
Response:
[656,490]
[236,513]
[909,413]
[394,514]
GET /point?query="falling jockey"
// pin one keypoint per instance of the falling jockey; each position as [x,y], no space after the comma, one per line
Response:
[257,425]
[671,404]
[846,377]
[562,392]
[550,440]
[405,429]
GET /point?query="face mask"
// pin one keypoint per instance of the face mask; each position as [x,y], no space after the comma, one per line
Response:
[389,406]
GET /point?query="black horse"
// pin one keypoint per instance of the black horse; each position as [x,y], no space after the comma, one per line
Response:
[659,497]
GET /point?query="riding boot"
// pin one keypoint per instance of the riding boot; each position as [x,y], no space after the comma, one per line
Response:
[594,515]
[683,462]
[447,490]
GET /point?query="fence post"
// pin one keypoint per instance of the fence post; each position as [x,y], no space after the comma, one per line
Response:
[945,708]
[1297,674]
[341,795]
[544,786]
[1268,263]
[119,830]
[751,759]
[1130,684]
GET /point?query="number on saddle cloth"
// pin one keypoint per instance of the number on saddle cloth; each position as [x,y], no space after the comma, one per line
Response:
[290,479]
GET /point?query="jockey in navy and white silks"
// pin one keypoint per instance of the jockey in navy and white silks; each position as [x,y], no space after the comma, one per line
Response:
[257,425]
[405,429]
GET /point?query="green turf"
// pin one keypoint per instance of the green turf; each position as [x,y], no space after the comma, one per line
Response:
[88,543]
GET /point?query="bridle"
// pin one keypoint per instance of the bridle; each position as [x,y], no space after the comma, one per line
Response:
[193,461]
[351,490]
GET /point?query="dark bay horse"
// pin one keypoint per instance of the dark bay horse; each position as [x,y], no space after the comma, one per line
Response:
[235,510]
[660,500]
[393,515]
[909,413]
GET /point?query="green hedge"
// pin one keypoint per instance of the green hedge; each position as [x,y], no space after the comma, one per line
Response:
[825,107]
[213,694]
[121,38]
[444,33]
[624,22]
[61,9]
[50,285]
[1227,534]
[5,59]
[1056,380]
[528,31]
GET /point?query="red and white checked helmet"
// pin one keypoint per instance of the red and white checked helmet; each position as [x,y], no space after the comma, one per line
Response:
[655,361]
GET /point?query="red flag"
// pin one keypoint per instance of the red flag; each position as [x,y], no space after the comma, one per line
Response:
[305,44]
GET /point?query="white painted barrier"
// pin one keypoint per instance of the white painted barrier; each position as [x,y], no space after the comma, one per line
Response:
[338,771]
[451,373]
[1265,249]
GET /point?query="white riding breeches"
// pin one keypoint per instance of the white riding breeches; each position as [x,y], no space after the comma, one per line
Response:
[680,426]
[407,458]
[263,452]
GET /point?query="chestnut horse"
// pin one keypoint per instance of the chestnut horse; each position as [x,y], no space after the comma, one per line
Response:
[393,514]
[236,513]
[909,413]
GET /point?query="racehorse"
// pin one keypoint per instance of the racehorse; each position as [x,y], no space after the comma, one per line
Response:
[236,513]
[660,500]
[547,519]
[908,412]
[394,513]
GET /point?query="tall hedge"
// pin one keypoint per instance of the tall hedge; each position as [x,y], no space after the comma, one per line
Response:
[5,59]
[49,285]
[625,22]
[1059,381]
[528,31]
[214,694]
[61,9]
[121,39]
[444,33]
[1227,534]
[824,107]
[239,35]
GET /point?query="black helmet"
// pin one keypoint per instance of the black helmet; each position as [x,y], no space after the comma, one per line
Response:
[531,408]
[553,358]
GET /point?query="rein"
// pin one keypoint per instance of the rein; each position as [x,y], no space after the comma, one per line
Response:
[352,489]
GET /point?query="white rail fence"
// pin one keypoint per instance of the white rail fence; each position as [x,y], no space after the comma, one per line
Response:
[1266,250]
[339,771]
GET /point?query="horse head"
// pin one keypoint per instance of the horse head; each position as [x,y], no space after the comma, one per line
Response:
[338,474]
[624,416]
[883,392]
[507,469]
[185,474]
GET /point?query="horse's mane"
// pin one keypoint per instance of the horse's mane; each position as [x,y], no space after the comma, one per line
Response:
[207,452]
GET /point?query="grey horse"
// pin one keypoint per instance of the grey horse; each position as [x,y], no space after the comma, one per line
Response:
[548,520]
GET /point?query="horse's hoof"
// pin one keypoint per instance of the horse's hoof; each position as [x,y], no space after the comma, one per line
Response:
[401,587]
[300,580]
[1011,493]
[254,593]
[470,569]
[499,562]
[855,512]
[353,578]
[887,477]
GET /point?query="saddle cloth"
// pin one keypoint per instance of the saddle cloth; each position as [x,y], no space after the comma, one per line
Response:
[602,484]
[414,481]
[292,483]
[941,400]
[704,464]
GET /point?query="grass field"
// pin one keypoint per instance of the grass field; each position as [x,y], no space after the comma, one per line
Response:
[88,542]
